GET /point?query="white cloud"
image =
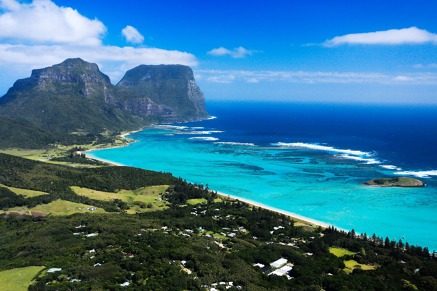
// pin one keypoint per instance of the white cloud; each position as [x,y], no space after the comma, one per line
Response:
[310,77]
[9,5]
[113,60]
[41,34]
[412,35]
[236,53]
[132,35]
[42,21]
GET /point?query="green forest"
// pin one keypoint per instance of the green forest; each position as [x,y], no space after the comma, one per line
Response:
[184,237]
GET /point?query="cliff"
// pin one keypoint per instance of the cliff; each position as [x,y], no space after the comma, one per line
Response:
[167,91]
[67,97]
[76,97]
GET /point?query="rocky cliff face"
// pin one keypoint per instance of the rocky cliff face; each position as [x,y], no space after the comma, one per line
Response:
[70,75]
[67,97]
[169,91]
[75,96]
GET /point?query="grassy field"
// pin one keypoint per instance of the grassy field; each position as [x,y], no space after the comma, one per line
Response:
[18,279]
[352,265]
[137,199]
[340,252]
[45,155]
[194,202]
[59,208]
[97,195]
[25,192]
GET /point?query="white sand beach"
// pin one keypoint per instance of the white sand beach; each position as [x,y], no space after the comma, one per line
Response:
[287,213]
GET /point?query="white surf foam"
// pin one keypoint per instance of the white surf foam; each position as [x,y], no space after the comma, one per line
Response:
[168,126]
[391,167]
[236,143]
[368,161]
[349,154]
[204,138]
[419,174]
[322,148]
[201,132]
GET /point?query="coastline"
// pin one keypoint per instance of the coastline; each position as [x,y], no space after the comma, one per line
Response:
[291,215]
[123,136]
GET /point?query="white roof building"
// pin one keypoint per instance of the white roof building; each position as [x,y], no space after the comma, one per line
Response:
[282,271]
[279,263]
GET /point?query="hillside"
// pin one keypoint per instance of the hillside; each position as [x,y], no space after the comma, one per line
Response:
[68,97]
[103,228]
[76,98]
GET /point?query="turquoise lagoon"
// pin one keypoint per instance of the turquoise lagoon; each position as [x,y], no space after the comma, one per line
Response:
[303,171]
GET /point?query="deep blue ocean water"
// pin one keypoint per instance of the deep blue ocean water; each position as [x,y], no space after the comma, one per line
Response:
[309,159]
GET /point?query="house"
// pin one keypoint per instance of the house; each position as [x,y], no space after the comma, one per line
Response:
[278,263]
[282,271]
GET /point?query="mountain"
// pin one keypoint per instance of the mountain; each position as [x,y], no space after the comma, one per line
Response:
[168,91]
[67,97]
[76,97]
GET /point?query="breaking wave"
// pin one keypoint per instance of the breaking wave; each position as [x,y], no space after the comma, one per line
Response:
[204,138]
[236,143]
[419,174]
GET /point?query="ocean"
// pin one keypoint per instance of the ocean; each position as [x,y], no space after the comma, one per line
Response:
[308,159]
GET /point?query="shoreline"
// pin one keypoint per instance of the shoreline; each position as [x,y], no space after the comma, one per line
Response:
[123,136]
[294,216]
[291,215]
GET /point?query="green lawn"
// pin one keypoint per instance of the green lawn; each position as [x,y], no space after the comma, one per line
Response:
[59,208]
[18,279]
[340,252]
[25,192]
[137,199]
[194,202]
[352,264]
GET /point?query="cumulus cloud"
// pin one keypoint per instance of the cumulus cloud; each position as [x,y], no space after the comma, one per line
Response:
[132,35]
[412,35]
[236,53]
[310,77]
[40,33]
[42,21]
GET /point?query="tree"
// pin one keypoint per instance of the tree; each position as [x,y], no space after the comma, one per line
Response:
[387,242]
[400,244]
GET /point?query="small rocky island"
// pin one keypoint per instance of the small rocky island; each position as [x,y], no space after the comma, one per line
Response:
[395,182]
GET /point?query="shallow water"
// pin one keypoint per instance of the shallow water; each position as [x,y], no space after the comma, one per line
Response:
[307,159]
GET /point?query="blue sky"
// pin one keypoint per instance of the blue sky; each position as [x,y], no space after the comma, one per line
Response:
[310,51]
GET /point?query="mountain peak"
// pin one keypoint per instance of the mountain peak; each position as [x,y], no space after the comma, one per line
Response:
[172,86]
[74,96]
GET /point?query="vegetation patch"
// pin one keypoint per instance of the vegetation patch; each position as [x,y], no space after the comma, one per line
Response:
[351,265]
[96,194]
[340,252]
[61,207]
[196,201]
[25,192]
[396,182]
[139,200]
[19,278]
